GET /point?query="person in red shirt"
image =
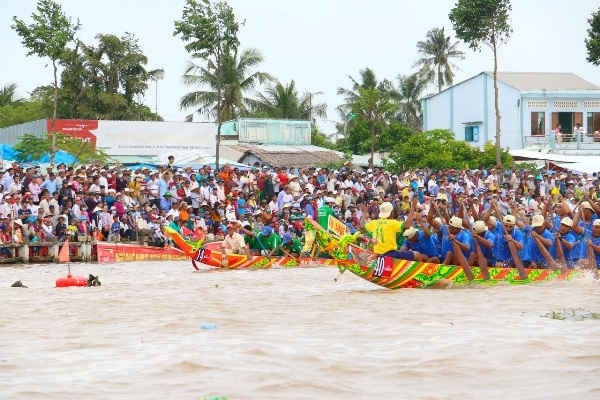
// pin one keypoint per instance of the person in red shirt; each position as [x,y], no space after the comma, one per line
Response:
[283,178]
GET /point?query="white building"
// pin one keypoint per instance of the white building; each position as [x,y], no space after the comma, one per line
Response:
[531,105]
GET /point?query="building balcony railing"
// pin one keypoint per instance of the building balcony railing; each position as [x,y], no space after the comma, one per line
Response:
[585,142]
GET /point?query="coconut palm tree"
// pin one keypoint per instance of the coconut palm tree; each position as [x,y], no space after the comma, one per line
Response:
[8,95]
[238,79]
[409,93]
[370,101]
[436,55]
[367,81]
[284,102]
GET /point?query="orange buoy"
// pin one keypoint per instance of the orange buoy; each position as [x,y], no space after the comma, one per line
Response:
[70,280]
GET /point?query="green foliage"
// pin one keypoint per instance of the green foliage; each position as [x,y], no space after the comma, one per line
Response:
[238,77]
[30,147]
[23,111]
[410,92]
[487,157]
[208,29]
[592,42]
[8,95]
[102,81]
[284,102]
[531,167]
[50,32]
[319,139]
[438,149]
[436,55]
[481,21]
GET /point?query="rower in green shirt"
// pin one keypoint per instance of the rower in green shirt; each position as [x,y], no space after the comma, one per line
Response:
[325,211]
[268,242]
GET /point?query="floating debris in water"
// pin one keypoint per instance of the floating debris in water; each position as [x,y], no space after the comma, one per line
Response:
[572,314]
[214,398]
[18,284]
[208,325]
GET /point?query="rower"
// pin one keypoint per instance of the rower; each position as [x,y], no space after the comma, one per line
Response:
[383,231]
[456,234]
[534,254]
[486,240]
[507,232]
[419,242]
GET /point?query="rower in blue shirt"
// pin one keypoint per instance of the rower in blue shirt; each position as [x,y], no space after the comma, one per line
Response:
[534,255]
[566,238]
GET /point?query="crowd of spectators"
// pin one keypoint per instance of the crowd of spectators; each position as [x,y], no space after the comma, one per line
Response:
[111,202]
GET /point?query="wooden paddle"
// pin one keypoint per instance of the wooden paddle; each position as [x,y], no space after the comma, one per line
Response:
[545,253]
[591,256]
[560,253]
[515,256]
[481,260]
[462,261]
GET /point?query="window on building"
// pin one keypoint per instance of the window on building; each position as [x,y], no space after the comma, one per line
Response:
[538,123]
[472,133]
[593,122]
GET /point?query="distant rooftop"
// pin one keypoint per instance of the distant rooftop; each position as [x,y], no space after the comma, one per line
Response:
[526,81]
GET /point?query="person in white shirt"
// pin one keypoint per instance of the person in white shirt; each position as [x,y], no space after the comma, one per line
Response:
[102,180]
[234,243]
[578,132]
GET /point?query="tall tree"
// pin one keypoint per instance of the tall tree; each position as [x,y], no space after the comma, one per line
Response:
[48,36]
[238,78]
[376,107]
[437,53]
[285,102]
[480,22]
[410,91]
[209,31]
[104,80]
[593,40]
[371,102]
[8,95]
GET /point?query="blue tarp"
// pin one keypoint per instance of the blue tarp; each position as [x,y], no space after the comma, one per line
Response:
[7,152]
[60,157]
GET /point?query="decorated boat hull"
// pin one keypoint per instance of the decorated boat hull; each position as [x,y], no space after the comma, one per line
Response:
[211,255]
[215,258]
[394,273]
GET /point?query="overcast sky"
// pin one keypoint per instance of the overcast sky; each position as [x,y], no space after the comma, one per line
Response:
[318,43]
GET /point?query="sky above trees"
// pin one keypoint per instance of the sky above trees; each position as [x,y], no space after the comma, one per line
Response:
[317,43]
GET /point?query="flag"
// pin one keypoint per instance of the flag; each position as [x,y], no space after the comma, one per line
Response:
[63,254]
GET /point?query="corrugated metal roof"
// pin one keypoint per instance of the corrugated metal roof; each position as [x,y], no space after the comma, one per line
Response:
[526,81]
[299,156]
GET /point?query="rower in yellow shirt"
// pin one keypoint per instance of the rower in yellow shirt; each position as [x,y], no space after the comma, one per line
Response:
[384,231]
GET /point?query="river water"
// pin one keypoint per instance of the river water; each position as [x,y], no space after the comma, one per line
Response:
[289,334]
